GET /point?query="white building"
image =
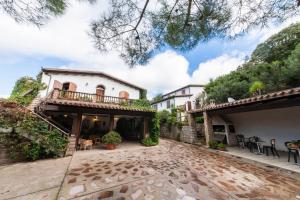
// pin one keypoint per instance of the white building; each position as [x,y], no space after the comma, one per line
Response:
[87,82]
[184,97]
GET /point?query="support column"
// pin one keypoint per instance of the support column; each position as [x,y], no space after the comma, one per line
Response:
[146,128]
[76,126]
[208,128]
[111,122]
[191,120]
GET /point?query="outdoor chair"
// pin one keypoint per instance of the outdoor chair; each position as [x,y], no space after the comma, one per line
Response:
[291,151]
[271,147]
[241,140]
[253,144]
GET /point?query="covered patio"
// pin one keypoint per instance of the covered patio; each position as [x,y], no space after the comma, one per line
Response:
[256,127]
[88,120]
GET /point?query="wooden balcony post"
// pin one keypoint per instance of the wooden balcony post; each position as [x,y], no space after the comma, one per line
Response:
[111,122]
[76,126]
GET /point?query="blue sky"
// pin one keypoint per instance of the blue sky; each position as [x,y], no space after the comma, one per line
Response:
[64,42]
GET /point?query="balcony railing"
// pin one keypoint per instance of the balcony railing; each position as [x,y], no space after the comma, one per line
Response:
[88,97]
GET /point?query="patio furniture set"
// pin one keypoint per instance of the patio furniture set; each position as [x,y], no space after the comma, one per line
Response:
[84,144]
[256,145]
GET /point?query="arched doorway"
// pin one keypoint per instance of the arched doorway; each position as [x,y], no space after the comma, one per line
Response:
[100,91]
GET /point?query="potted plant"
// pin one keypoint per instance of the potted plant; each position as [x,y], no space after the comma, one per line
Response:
[111,140]
[213,144]
[221,147]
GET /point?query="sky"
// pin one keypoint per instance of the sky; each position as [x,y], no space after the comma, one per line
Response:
[64,43]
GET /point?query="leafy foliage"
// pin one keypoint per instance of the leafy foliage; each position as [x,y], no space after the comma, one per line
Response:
[158,97]
[256,88]
[29,136]
[143,94]
[26,89]
[153,139]
[199,120]
[274,74]
[278,46]
[141,103]
[112,138]
[137,29]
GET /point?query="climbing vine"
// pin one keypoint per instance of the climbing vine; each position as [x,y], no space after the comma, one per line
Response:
[153,139]
[26,89]
[26,136]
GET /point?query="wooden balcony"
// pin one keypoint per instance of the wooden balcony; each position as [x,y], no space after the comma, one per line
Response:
[88,97]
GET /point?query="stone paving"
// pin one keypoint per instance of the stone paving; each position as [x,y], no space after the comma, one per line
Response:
[171,170]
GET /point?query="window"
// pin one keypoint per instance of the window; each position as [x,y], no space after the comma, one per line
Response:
[100,90]
[66,86]
[168,104]
[155,106]
[183,91]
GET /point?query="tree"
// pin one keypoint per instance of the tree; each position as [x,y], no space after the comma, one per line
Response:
[137,29]
[279,46]
[280,72]
[256,88]
[292,71]
[158,97]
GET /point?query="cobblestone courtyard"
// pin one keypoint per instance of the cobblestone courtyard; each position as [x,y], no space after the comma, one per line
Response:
[171,170]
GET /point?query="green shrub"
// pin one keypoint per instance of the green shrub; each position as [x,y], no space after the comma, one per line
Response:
[163,116]
[141,103]
[112,138]
[29,136]
[155,128]
[256,88]
[221,146]
[199,120]
[149,142]
[213,144]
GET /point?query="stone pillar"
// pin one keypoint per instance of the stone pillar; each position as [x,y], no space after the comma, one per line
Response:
[146,128]
[191,120]
[76,126]
[208,128]
[111,122]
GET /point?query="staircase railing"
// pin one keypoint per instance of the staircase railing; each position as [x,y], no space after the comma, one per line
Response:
[62,132]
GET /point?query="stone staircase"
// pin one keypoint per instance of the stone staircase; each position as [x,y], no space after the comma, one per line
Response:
[35,103]
[71,146]
[34,107]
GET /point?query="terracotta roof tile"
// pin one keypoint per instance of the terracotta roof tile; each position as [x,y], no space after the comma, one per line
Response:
[265,97]
[96,105]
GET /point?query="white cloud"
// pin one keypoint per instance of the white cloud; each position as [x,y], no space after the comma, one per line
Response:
[213,68]
[66,37]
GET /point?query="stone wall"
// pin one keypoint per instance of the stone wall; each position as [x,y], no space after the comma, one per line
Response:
[188,135]
[185,134]
[4,157]
[170,132]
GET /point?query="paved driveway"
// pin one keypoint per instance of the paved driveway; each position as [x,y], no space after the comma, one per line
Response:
[171,170]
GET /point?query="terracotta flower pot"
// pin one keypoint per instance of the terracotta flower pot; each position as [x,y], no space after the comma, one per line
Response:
[110,146]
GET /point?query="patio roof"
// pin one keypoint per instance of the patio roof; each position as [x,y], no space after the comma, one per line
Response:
[105,106]
[284,97]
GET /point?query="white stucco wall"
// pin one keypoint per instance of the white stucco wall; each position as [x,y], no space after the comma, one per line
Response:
[281,124]
[163,105]
[88,84]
